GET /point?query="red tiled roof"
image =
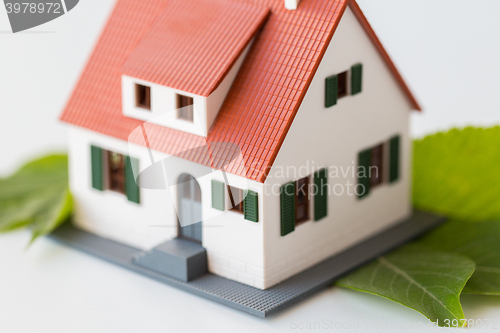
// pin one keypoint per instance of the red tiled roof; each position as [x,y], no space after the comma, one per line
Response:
[193,44]
[261,104]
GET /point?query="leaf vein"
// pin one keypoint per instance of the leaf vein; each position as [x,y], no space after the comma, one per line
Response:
[394,268]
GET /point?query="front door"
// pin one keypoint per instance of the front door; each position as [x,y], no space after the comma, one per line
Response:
[189,196]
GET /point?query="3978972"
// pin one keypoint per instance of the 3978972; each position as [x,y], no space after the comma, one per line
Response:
[32,7]
[470,323]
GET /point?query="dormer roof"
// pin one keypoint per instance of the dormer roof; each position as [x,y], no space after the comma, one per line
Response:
[192,45]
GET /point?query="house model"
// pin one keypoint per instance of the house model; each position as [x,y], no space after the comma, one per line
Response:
[253,139]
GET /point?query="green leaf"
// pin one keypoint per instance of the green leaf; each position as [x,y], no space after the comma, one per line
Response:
[417,277]
[479,242]
[37,195]
[457,174]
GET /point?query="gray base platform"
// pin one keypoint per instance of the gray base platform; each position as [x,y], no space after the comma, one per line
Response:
[178,258]
[258,302]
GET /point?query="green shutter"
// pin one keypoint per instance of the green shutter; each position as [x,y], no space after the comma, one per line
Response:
[251,206]
[320,195]
[356,79]
[218,195]
[394,145]
[96,157]
[131,188]
[364,161]
[331,90]
[287,208]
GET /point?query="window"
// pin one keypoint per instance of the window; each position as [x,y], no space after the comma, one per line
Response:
[377,166]
[185,108]
[337,86]
[342,85]
[236,197]
[302,200]
[245,202]
[294,204]
[116,172]
[143,96]
[372,164]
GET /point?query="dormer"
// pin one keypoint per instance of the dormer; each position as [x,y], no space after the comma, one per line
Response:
[174,108]
[181,71]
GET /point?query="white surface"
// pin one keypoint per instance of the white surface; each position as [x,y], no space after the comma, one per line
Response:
[447,50]
[53,289]
[332,138]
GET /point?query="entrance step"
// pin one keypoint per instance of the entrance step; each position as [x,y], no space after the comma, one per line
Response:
[178,258]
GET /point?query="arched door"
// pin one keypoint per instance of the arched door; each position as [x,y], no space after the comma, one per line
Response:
[189,206]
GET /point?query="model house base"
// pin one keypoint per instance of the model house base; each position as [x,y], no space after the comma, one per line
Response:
[255,301]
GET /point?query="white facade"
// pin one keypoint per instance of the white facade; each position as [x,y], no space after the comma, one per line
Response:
[164,103]
[256,253]
[333,137]
[234,246]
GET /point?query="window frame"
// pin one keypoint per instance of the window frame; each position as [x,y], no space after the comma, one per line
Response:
[115,177]
[347,83]
[306,205]
[343,80]
[236,193]
[185,111]
[139,103]
[378,157]
[380,163]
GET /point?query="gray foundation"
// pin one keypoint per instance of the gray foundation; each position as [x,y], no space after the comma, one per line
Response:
[258,302]
[178,258]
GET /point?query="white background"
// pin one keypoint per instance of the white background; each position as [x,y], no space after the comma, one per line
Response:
[448,51]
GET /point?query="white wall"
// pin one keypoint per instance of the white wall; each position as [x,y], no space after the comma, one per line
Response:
[164,103]
[333,137]
[164,107]
[234,245]
[110,214]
